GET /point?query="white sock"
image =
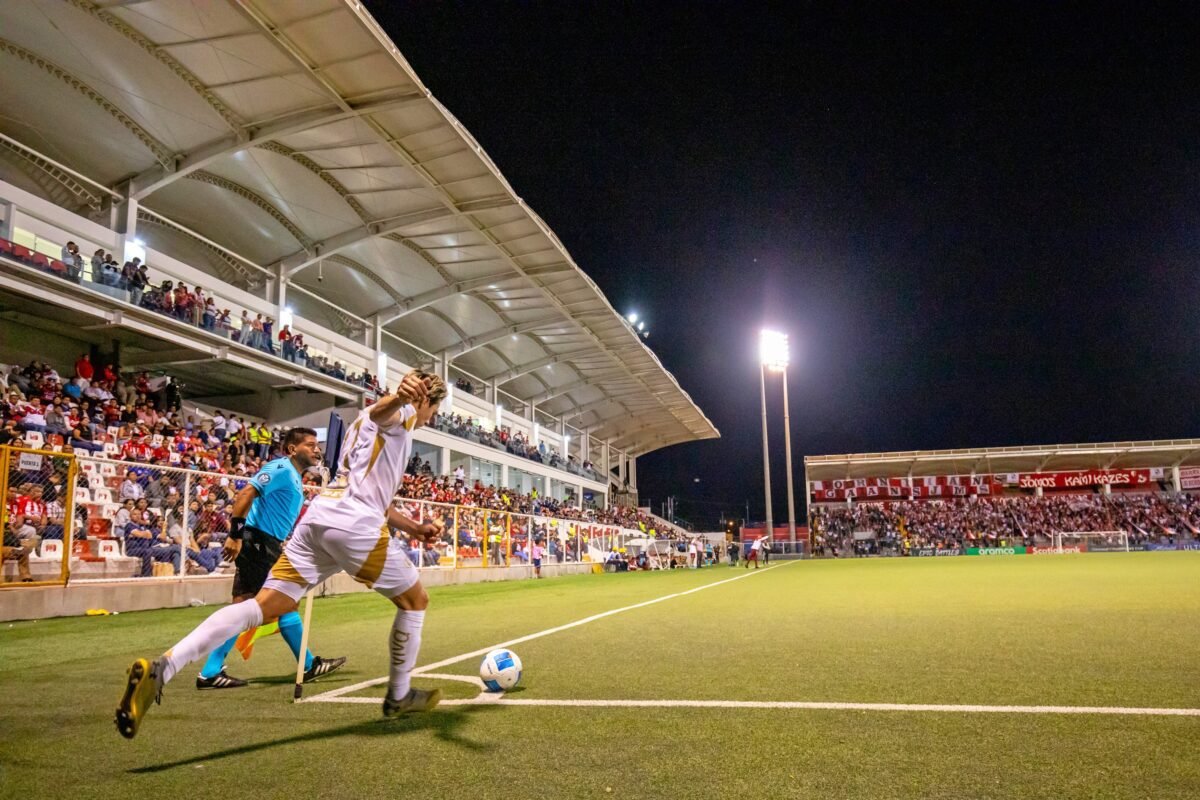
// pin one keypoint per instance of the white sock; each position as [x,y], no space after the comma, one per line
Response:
[404,642]
[228,621]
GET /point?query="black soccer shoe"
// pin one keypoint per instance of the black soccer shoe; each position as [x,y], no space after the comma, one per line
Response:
[417,700]
[219,681]
[322,666]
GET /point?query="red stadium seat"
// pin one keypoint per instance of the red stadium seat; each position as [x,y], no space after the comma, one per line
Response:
[23,253]
[58,266]
[40,260]
[6,246]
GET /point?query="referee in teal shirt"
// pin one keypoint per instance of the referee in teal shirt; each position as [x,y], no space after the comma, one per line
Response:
[264,512]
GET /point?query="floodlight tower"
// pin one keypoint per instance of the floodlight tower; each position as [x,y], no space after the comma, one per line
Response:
[773,356]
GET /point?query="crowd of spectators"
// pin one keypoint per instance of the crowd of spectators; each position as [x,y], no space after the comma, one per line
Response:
[419,485]
[999,521]
[136,420]
[197,307]
[518,444]
[133,415]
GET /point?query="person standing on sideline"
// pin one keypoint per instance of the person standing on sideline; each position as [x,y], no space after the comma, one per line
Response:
[755,549]
[733,553]
[536,555]
[766,552]
[264,512]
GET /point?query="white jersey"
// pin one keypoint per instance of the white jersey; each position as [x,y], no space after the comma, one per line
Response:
[373,459]
[757,545]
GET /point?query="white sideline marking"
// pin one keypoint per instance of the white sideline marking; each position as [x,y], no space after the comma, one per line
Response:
[332,695]
[502,700]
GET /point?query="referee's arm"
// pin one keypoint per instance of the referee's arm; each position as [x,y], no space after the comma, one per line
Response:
[241,507]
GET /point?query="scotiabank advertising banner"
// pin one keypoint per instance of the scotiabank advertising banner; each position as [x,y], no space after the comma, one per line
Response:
[1053,551]
[1089,478]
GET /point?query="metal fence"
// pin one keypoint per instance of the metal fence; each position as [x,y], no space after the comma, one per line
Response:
[480,537]
[37,508]
[134,521]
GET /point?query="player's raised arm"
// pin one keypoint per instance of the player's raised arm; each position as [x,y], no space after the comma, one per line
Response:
[411,390]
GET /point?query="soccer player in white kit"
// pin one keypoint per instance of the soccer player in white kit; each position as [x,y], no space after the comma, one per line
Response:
[348,533]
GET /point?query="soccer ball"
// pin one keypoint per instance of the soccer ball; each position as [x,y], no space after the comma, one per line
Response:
[500,670]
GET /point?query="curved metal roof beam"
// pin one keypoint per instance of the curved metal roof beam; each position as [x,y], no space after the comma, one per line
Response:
[315,168]
[558,391]
[531,366]
[454,326]
[334,244]
[231,119]
[371,274]
[419,301]
[255,198]
[235,272]
[180,165]
[161,152]
[476,342]
[579,411]
[508,363]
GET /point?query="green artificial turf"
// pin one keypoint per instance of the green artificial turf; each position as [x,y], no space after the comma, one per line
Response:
[1087,630]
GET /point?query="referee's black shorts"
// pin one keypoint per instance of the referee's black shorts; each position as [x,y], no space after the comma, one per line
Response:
[260,551]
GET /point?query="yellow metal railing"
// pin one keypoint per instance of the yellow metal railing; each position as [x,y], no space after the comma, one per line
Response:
[33,470]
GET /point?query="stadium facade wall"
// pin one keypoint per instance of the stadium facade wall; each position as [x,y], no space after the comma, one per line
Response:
[22,344]
[76,600]
[286,409]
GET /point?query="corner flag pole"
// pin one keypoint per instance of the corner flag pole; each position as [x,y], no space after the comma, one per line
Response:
[328,470]
[308,604]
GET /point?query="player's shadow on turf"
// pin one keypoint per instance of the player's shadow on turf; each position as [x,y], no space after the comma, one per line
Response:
[444,724]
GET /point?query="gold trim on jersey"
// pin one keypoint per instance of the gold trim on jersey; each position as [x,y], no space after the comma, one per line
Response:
[411,422]
[374,455]
[372,568]
[348,442]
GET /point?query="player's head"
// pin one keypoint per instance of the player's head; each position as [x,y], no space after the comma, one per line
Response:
[436,394]
[300,445]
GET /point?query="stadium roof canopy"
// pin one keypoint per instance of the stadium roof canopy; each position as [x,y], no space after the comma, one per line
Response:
[1002,460]
[294,134]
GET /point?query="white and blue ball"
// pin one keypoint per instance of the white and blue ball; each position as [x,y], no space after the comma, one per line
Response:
[500,670]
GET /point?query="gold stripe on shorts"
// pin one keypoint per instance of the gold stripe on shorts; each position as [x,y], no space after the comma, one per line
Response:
[372,568]
[284,571]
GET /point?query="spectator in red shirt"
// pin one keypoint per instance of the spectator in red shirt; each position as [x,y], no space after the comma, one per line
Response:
[29,509]
[83,369]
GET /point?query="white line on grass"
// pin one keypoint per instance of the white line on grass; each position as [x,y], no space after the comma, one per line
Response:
[334,695]
[501,700]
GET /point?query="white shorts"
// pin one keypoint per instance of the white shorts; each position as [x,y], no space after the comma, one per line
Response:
[315,552]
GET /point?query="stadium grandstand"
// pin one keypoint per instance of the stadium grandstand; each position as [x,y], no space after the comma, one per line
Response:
[1118,495]
[220,221]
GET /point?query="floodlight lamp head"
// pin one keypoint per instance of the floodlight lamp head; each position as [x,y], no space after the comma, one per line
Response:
[773,350]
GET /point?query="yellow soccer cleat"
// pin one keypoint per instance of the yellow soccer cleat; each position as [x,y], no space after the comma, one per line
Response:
[415,700]
[143,689]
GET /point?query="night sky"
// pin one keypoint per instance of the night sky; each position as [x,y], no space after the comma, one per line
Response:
[979,227]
